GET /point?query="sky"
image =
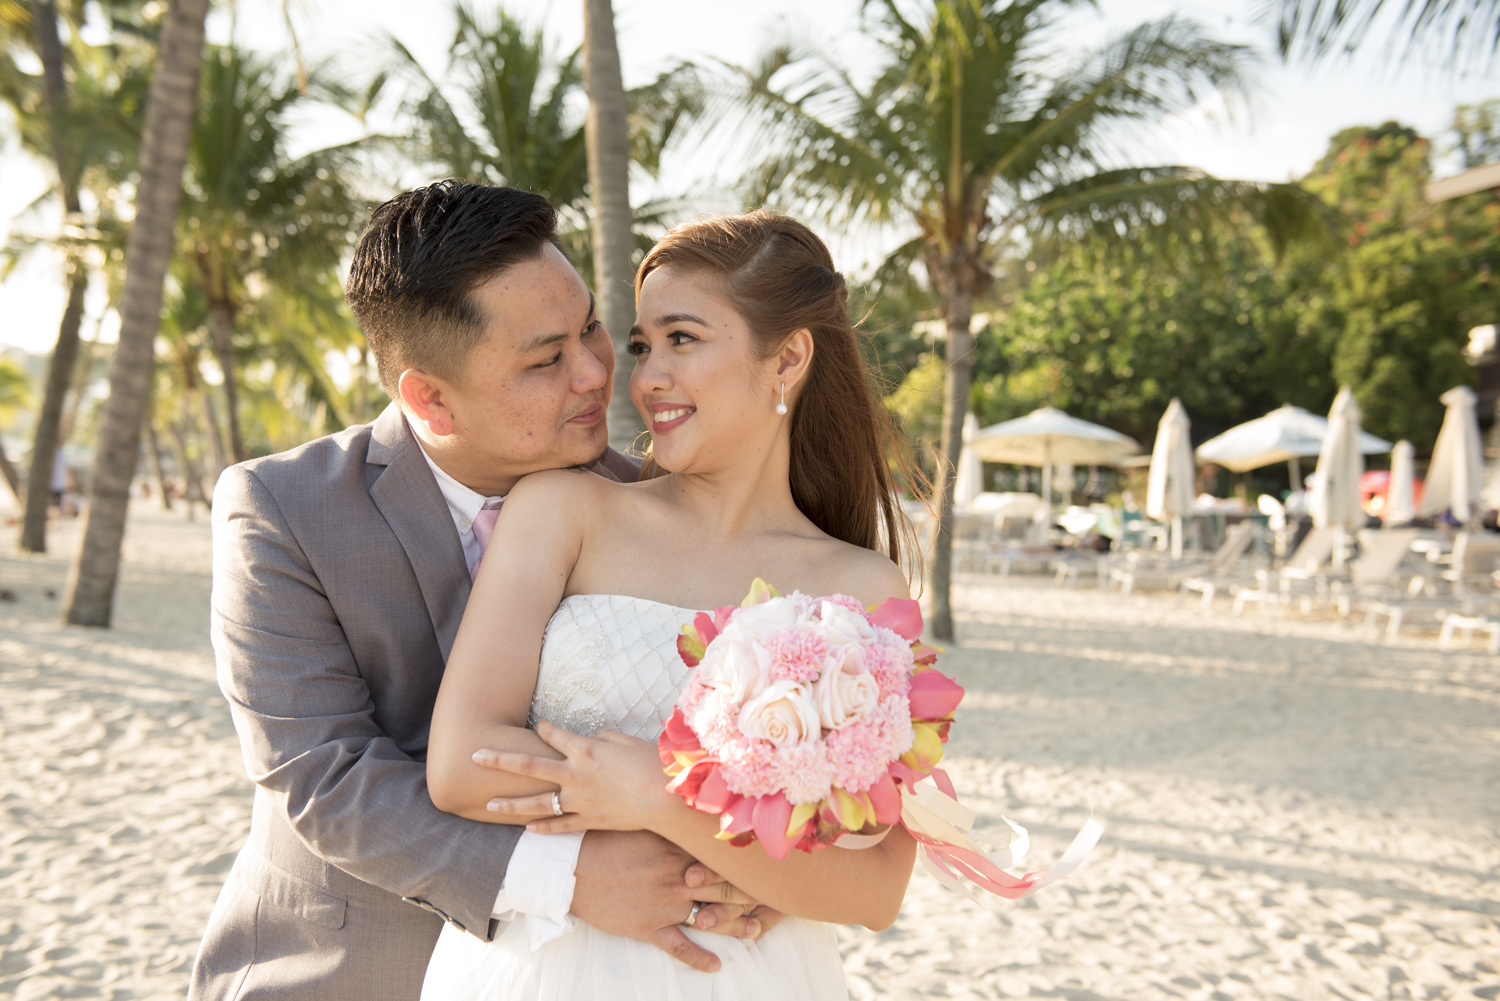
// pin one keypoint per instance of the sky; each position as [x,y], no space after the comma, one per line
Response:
[1280,134]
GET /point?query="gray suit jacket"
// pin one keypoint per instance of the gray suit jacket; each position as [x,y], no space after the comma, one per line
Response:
[338,586]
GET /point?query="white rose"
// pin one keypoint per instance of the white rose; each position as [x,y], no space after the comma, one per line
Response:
[845,692]
[783,714]
[766,618]
[736,662]
[847,626]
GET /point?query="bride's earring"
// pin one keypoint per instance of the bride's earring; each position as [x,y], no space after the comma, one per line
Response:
[781,407]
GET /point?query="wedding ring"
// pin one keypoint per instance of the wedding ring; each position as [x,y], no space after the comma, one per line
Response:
[557,802]
[692,917]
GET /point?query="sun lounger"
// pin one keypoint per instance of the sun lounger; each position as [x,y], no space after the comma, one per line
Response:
[1304,567]
[1220,573]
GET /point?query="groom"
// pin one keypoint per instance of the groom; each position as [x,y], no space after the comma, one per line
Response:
[341,570]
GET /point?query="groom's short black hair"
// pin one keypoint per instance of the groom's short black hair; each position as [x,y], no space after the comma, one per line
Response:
[422,255]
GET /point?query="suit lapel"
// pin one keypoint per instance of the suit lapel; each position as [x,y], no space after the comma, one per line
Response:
[408,498]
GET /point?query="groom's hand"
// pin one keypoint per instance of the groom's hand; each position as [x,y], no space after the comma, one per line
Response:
[636,884]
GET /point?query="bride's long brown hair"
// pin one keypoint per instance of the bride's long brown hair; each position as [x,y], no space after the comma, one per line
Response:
[779,276]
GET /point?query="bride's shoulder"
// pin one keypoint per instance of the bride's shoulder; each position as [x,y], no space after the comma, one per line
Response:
[560,491]
[863,573]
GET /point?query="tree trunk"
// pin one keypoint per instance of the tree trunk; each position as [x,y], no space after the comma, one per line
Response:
[170,108]
[12,477]
[80,383]
[959,309]
[221,322]
[60,370]
[192,484]
[44,443]
[153,455]
[211,428]
[607,135]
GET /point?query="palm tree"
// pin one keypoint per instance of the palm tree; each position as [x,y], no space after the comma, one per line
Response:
[252,217]
[503,112]
[89,599]
[14,395]
[1463,34]
[39,20]
[607,133]
[967,138]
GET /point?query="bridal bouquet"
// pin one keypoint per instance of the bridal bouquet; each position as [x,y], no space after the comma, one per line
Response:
[808,718]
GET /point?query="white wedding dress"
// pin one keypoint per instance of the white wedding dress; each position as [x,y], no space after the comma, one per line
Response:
[610,662]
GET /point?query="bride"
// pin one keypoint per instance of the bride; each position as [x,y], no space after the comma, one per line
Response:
[769,450]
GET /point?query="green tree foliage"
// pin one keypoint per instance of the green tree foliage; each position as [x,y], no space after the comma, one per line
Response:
[257,222]
[1477,128]
[1413,281]
[1112,334]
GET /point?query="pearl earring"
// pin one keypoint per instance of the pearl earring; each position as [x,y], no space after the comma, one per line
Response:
[781,407]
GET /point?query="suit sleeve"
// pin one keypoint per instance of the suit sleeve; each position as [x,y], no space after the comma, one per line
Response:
[307,728]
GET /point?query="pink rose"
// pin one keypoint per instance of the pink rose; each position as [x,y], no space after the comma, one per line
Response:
[782,713]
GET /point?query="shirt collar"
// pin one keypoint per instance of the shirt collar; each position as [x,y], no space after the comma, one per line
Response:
[463,502]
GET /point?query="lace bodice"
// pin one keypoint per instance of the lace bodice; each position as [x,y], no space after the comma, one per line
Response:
[609,662]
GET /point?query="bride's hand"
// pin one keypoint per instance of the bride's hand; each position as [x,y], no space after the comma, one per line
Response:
[606,783]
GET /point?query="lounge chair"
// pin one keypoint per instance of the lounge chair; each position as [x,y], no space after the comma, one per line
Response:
[1376,575]
[1220,571]
[1303,567]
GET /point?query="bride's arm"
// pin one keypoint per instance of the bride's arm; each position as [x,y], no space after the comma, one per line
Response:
[491,674]
[615,781]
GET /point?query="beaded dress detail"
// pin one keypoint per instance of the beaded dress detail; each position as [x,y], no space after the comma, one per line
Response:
[609,662]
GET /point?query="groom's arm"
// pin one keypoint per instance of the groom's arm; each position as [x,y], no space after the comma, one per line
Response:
[305,720]
[307,728]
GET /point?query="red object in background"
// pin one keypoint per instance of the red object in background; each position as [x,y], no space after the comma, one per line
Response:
[1377,483]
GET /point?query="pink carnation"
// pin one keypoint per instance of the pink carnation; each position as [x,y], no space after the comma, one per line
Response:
[796,654]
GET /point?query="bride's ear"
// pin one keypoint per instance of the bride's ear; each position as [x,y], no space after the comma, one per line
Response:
[795,358]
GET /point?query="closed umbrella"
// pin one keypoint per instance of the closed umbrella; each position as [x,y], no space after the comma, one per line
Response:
[1169,486]
[1286,434]
[1334,501]
[1401,495]
[1047,436]
[1456,476]
[969,481]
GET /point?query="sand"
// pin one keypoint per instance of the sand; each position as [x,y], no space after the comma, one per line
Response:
[1290,811]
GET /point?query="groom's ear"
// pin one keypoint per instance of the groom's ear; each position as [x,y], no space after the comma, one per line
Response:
[795,358]
[422,396]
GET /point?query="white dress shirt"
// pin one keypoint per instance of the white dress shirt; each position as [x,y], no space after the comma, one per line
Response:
[539,878]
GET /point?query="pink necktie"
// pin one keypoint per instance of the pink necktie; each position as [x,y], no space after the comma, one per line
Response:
[484,527]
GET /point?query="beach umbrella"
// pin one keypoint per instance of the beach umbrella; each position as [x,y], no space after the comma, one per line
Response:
[1169,486]
[1287,434]
[1401,495]
[1334,501]
[1456,476]
[1047,436]
[970,479]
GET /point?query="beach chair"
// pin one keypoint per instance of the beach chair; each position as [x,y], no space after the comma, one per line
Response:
[1303,567]
[1467,624]
[1220,571]
[1376,575]
[1472,565]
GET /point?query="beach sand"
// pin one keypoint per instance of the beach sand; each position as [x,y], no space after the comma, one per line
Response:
[1290,811]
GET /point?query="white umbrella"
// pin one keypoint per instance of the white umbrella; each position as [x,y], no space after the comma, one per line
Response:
[1401,492]
[1048,435]
[1334,501]
[1286,434]
[969,482]
[1456,476]
[1169,486]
